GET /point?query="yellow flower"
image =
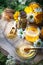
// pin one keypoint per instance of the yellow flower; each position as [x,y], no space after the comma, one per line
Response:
[34,5]
[16,15]
[28,9]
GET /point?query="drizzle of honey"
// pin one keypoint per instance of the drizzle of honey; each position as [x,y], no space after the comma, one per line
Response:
[27,50]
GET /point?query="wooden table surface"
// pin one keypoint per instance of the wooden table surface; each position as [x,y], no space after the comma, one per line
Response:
[7,48]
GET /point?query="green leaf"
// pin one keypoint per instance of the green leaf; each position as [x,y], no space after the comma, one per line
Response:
[3,58]
[1,10]
[20,7]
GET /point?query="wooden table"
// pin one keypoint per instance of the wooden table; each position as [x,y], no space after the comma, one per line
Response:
[7,48]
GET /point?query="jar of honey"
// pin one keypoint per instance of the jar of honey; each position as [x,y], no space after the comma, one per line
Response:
[32,33]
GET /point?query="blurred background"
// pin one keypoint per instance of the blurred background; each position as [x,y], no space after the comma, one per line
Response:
[16,4]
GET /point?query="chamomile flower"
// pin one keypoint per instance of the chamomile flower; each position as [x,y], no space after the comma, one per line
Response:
[30,17]
[22,1]
[38,43]
[20,33]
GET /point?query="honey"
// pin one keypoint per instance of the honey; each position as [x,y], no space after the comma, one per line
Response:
[32,34]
